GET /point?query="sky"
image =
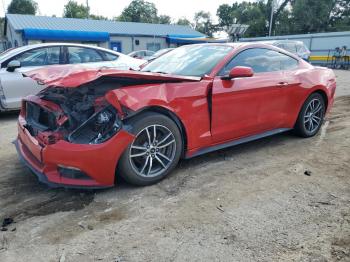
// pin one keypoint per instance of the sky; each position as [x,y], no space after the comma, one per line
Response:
[111,8]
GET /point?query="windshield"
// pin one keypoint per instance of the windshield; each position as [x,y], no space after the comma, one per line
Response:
[193,60]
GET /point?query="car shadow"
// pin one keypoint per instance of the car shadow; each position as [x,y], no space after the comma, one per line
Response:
[9,115]
[23,197]
[245,149]
[19,184]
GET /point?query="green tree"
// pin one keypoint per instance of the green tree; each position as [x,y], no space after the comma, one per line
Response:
[184,21]
[290,17]
[254,14]
[226,15]
[27,7]
[74,10]
[97,17]
[340,20]
[204,24]
[283,25]
[139,11]
[277,13]
[312,16]
[164,19]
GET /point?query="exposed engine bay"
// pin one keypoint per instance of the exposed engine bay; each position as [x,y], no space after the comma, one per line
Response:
[79,104]
[85,117]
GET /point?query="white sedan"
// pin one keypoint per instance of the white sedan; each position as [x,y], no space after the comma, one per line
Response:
[14,62]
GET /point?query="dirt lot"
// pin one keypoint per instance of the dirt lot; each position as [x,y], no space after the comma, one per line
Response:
[248,203]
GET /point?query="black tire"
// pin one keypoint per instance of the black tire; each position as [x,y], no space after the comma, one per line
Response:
[130,168]
[303,126]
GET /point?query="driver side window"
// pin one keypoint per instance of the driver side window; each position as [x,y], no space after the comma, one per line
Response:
[260,60]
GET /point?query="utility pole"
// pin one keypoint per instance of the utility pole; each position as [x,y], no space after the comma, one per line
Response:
[88,8]
[271,16]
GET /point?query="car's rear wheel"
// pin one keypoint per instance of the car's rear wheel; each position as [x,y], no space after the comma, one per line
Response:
[311,116]
[154,152]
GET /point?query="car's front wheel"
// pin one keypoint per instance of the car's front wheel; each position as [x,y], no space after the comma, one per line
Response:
[311,116]
[154,152]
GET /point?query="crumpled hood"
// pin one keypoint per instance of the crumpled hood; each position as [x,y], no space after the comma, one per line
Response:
[71,76]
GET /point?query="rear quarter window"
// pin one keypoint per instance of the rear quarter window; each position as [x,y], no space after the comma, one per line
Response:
[290,63]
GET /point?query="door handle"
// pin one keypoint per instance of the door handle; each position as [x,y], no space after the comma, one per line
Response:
[282,84]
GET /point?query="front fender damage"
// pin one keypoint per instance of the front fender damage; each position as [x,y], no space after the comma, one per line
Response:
[93,102]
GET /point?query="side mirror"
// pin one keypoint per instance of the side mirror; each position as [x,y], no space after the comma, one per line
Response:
[239,71]
[12,65]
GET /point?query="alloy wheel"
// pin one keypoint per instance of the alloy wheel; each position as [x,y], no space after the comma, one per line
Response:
[313,115]
[152,151]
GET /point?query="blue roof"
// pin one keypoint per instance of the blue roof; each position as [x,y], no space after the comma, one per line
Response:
[21,22]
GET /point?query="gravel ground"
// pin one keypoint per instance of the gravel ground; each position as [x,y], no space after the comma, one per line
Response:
[281,198]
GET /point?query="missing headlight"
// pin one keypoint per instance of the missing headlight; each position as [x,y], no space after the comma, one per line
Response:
[98,128]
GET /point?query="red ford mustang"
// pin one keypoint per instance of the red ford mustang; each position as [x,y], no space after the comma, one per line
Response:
[89,126]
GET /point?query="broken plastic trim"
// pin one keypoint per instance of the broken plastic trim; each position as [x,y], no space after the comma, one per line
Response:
[100,127]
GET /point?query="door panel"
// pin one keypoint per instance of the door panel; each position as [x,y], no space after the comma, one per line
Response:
[246,106]
[294,93]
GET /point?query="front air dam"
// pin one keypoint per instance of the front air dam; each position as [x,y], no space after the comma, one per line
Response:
[98,161]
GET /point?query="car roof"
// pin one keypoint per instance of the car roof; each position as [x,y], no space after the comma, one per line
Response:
[21,49]
[272,42]
[236,45]
[72,44]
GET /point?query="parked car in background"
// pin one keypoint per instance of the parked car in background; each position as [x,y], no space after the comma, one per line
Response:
[141,54]
[88,127]
[295,47]
[14,62]
[159,53]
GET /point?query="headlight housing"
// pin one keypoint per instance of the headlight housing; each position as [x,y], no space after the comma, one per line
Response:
[100,127]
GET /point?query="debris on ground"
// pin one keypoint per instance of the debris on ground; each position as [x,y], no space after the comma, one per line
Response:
[307,173]
[85,225]
[220,208]
[5,223]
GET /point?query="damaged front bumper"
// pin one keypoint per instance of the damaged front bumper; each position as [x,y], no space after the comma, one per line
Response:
[70,165]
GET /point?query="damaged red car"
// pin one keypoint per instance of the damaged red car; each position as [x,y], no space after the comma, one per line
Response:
[90,126]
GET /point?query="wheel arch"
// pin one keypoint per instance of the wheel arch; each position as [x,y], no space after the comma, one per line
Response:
[176,119]
[159,110]
[316,90]
[324,95]
[167,112]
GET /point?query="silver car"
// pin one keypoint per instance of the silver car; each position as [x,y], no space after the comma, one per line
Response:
[14,62]
[141,54]
[295,47]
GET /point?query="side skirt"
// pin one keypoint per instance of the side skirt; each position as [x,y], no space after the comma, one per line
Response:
[238,142]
